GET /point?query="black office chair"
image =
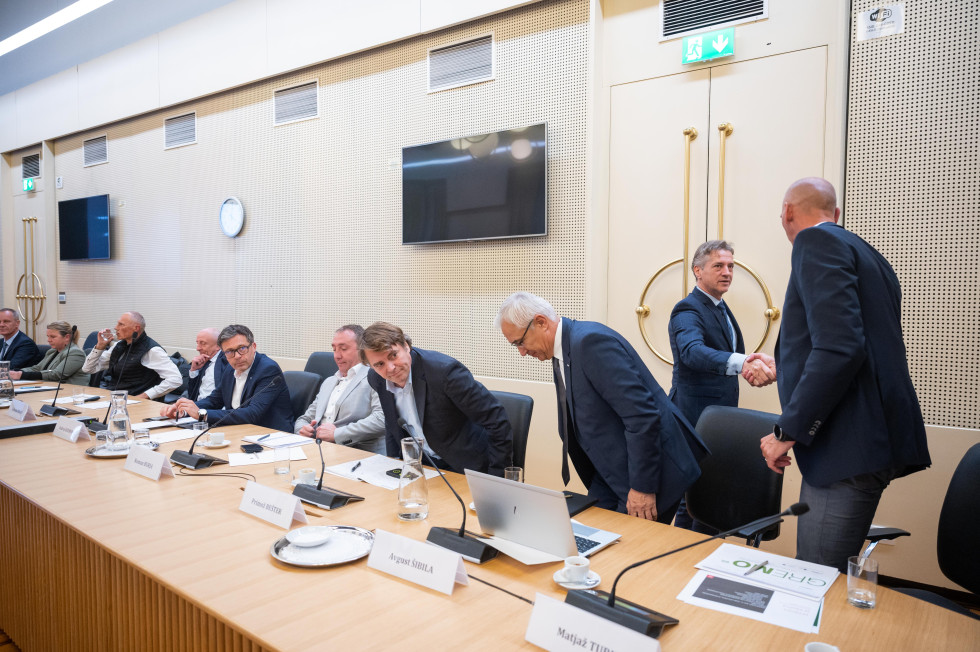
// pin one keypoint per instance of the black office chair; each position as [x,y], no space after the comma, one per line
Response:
[518,408]
[91,341]
[302,387]
[736,486]
[43,348]
[184,367]
[321,363]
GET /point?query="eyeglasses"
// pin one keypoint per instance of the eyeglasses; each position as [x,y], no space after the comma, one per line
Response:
[242,350]
[519,343]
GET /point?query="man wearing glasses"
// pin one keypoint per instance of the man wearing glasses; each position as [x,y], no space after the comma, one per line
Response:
[630,447]
[255,393]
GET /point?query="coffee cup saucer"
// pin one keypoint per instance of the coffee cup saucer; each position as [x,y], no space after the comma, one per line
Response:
[208,444]
[591,580]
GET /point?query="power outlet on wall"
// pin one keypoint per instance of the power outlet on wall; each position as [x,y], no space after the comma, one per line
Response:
[59,182]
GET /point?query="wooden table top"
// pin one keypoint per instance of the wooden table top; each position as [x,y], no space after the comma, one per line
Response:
[188,533]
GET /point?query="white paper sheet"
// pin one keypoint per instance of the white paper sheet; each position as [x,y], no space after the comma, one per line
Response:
[373,470]
[68,399]
[100,405]
[781,573]
[169,423]
[265,457]
[279,440]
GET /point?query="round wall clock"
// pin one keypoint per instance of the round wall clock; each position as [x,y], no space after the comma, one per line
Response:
[232,217]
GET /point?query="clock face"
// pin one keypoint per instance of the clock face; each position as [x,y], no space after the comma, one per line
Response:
[232,217]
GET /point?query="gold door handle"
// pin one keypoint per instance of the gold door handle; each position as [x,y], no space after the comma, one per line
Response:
[724,131]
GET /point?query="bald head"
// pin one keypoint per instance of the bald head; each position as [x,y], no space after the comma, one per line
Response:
[808,202]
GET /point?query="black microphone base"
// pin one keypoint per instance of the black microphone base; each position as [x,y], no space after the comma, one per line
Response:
[625,613]
[195,460]
[55,411]
[325,498]
[471,548]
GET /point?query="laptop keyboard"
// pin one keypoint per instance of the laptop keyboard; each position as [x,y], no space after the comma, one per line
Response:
[584,545]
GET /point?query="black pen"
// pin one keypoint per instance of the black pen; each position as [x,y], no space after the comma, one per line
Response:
[263,437]
[356,466]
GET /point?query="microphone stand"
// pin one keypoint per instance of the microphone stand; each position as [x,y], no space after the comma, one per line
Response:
[326,498]
[647,621]
[471,548]
[53,410]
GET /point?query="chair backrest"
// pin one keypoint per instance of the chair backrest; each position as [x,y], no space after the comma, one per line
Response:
[302,387]
[43,348]
[735,486]
[91,341]
[518,408]
[321,363]
[958,539]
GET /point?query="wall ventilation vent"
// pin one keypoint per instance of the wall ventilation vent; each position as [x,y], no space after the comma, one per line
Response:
[30,166]
[461,64]
[296,103]
[95,151]
[681,17]
[180,130]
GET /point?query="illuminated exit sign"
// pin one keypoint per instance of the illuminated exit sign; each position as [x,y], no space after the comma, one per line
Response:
[708,45]
[29,185]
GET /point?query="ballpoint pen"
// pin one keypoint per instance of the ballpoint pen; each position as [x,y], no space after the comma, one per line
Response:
[755,568]
[263,437]
[356,466]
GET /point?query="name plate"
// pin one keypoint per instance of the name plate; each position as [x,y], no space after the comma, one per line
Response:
[71,430]
[276,507]
[416,561]
[21,411]
[555,625]
[148,463]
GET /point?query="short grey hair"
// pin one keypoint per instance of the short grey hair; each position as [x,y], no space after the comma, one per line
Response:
[12,312]
[521,307]
[229,332]
[356,329]
[704,252]
[137,318]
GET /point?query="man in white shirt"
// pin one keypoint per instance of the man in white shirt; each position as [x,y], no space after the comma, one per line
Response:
[133,362]
[206,367]
[346,410]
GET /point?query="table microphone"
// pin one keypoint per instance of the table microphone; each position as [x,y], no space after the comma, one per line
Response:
[326,498]
[52,410]
[193,460]
[468,546]
[644,620]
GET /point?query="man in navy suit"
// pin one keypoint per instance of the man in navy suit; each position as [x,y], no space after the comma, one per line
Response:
[461,424]
[255,392]
[16,348]
[707,345]
[630,447]
[850,413]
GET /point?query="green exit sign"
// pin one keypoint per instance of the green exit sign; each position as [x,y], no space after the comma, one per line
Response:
[29,185]
[708,45]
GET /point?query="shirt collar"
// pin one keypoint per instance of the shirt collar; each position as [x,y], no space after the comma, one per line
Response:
[239,374]
[713,300]
[350,372]
[396,390]
[557,352]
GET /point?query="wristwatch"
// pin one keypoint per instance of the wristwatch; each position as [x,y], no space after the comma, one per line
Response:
[202,415]
[780,435]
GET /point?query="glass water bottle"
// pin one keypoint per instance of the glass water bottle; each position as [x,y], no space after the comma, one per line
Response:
[413,494]
[6,385]
[119,436]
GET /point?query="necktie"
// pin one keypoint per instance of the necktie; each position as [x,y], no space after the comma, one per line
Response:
[565,421]
[731,328]
[3,354]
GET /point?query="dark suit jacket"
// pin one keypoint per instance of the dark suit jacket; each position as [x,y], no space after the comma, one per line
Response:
[221,367]
[844,382]
[271,407]
[627,431]
[22,352]
[701,344]
[461,420]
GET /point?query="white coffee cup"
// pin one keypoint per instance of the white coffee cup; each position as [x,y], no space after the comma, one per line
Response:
[576,569]
[307,476]
[216,438]
[816,646]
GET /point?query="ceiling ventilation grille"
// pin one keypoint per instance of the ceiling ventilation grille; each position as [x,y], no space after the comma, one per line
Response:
[684,16]
[95,151]
[461,64]
[296,103]
[30,166]
[180,130]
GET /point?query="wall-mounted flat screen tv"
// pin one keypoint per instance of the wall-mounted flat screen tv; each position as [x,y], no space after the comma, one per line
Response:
[83,228]
[476,188]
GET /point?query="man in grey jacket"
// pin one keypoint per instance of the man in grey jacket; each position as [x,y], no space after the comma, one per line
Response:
[346,410]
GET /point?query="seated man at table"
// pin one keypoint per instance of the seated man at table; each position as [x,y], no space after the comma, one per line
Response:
[347,410]
[254,393]
[133,362]
[207,367]
[62,362]
[17,348]
[461,424]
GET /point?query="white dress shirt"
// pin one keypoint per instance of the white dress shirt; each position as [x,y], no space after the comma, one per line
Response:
[240,378]
[330,414]
[408,410]
[156,359]
[207,383]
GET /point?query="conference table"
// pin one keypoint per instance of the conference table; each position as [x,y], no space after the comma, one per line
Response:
[94,557]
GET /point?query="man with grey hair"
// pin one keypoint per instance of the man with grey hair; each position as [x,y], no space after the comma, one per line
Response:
[17,348]
[631,448]
[132,360]
[707,346]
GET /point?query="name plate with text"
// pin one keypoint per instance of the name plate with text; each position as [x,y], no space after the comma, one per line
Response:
[273,506]
[558,626]
[21,411]
[416,561]
[71,430]
[148,463]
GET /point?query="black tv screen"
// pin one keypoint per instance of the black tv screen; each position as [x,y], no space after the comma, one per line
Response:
[476,188]
[83,228]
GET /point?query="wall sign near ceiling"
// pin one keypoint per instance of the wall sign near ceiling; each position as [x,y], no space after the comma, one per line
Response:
[881,21]
[708,45]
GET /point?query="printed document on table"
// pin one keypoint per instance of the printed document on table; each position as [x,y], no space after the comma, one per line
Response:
[104,404]
[265,457]
[279,440]
[169,423]
[373,470]
[781,573]
[69,399]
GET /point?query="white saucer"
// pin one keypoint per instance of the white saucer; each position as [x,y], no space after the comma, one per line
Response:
[591,580]
[309,536]
[208,444]
[473,506]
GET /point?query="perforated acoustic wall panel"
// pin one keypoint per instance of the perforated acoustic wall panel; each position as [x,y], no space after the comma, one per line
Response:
[321,245]
[912,154]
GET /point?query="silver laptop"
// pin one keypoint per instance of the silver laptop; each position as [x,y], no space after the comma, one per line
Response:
[532,516]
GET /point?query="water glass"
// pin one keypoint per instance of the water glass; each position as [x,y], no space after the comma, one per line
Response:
[78,396]
[141,437]
[280,467]
[862,582]
[514,473]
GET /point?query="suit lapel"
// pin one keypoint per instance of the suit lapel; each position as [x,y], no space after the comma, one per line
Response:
[566,362]
[717,315]
[418,386]
[353,380]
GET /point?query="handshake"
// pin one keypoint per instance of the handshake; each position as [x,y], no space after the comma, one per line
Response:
[759,369]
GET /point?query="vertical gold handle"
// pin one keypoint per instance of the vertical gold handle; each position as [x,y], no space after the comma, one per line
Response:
[724,131]
[689,134]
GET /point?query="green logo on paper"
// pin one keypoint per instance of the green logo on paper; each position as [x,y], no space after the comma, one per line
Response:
[708,45]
